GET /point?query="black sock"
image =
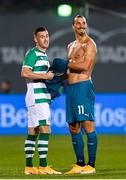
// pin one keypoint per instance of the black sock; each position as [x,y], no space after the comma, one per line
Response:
[91,164]
[81,163]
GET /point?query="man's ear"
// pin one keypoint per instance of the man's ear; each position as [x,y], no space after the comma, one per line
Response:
[73,27]
[35,40]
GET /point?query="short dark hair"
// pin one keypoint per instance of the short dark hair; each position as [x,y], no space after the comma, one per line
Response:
[77,16]
[39,29]
[6,81]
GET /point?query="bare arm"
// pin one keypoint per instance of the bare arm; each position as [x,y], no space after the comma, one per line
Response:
[27,73]
[87,61]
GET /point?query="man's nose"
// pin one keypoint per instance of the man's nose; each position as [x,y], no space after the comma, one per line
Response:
[82,26]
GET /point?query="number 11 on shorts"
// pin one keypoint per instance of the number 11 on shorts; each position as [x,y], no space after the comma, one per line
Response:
[81,109]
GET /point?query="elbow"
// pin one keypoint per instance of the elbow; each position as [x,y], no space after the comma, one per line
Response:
[23,74]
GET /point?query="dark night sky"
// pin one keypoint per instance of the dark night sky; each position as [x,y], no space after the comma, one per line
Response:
[22,5]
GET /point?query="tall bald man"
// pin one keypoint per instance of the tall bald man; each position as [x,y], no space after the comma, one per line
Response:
[80,96]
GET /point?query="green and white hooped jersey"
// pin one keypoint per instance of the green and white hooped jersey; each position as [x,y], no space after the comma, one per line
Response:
[37,92]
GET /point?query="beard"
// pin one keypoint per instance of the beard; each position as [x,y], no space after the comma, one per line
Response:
[81,32]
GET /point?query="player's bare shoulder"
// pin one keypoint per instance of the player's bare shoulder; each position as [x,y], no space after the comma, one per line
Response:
[91,44]
[70,44]
[70,49]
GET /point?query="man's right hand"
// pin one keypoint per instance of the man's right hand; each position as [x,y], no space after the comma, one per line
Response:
[49,75]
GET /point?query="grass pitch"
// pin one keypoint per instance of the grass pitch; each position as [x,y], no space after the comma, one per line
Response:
[111,158]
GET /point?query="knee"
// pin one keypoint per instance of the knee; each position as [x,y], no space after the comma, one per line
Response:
[88,126]
[74,128]
[45,129]
[33,131]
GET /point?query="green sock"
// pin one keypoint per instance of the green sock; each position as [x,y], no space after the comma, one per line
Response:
[29,149]
[43,148]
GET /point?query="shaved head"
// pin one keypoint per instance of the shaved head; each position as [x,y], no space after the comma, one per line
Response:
[76,17]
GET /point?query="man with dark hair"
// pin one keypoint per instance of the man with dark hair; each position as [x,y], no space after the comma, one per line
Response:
[80,96]
[39,29]
[6,87]
[34,70]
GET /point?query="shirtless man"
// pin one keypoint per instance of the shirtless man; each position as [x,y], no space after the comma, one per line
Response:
[80,96]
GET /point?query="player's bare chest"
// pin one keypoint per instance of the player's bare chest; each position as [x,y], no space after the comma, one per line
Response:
[76,50]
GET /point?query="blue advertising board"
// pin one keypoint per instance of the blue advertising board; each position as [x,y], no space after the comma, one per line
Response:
[110,114]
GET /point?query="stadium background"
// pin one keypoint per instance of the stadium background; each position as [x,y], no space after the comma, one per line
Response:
[107,25]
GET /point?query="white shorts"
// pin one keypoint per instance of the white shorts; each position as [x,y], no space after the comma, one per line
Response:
[39,115]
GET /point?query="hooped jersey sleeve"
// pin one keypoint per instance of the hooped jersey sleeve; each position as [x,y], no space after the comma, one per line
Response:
[29,60]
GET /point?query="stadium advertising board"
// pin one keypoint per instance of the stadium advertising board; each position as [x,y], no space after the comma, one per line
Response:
[110,114]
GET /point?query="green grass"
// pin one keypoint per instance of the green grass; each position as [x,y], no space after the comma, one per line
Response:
[111,158]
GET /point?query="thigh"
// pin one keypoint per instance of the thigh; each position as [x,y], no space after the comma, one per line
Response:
[84,102]
[74,128]
[43,114]
[32,123]
[39,115]
[88,126]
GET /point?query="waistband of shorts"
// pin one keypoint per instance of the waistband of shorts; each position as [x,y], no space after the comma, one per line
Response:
[38,80]
[80,82]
